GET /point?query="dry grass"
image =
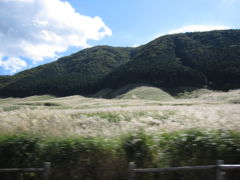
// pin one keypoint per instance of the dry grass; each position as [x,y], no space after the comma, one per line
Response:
[77,115]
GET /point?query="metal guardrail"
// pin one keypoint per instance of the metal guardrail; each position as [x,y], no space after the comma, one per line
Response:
[220,167]
[45,170]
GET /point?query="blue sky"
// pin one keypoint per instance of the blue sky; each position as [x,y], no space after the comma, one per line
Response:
[138,21]
[35,32]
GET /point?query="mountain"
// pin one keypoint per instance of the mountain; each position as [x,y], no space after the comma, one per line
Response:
[78,73]
[210,59]
[192,59]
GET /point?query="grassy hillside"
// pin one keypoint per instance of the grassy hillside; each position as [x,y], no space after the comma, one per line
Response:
[134,91]
[180,61]
[150,93]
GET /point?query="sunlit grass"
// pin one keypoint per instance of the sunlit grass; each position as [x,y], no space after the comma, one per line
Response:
[77,115]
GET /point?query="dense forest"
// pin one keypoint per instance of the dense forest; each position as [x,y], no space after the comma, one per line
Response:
[187,60]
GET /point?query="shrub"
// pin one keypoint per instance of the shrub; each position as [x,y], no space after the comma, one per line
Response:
[88,158]
[197,147]
[19,151]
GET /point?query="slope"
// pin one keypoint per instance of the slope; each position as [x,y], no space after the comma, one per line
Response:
[209,59]
[188,60]
[74,74]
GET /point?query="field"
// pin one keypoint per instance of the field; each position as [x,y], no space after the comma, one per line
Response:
[130,112]
[95,138]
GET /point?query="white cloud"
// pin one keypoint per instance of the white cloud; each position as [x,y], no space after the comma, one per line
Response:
[13,64]
[198,28]
[136,45]
[36,29]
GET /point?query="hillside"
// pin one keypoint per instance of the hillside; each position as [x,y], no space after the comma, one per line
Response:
[75,74]
[209,59]
[134,91]
[189,60]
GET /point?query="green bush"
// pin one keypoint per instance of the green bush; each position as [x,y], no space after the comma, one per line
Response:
[83,158]
[138,149]
[196,147]
[19,151]
[88,158]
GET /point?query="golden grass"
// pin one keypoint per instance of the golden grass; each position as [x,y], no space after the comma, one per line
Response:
[77,115]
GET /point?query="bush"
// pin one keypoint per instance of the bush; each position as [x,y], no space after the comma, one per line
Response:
[88,158]
[19,151]
[83,158]
[196,147]
[72,158]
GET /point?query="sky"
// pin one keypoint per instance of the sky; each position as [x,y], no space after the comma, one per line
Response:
[35,32]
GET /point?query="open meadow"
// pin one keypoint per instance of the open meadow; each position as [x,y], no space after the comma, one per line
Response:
[77,115]
[96,138]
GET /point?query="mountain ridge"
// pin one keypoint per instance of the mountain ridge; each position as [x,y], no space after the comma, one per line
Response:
[200,59]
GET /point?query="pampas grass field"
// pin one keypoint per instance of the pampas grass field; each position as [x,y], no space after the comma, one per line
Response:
[96,138]
[77,115]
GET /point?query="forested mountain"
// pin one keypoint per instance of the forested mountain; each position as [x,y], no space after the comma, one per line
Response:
[192,59]
[197,59]
[78,73]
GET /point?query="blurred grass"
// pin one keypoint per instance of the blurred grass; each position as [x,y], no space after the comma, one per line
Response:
[107,158]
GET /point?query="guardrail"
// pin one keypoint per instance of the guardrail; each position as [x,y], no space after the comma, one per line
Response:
[45,170]
[220,167]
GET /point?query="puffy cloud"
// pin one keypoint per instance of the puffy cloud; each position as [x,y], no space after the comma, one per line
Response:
[13,64]
[36,29]
[198,28]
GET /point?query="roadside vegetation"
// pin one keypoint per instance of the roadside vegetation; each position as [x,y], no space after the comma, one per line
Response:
[94,138]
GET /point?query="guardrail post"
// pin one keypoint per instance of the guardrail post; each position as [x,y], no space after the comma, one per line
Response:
[131,173]
[219,172]
[47,168]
